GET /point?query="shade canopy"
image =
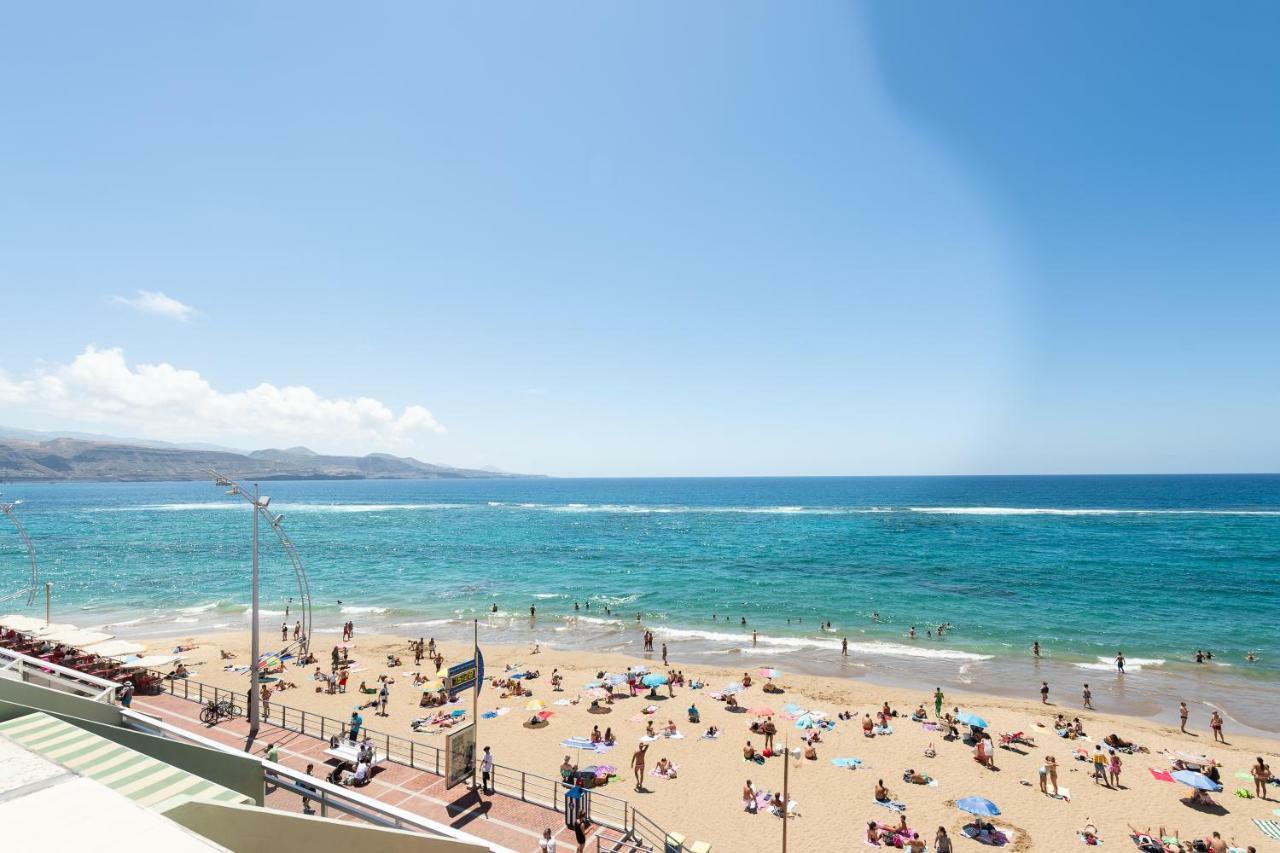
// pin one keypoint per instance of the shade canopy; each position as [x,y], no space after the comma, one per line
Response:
[980,806]
[76,637]
[1199,781]
[971,720]
[112,648]
[18,622]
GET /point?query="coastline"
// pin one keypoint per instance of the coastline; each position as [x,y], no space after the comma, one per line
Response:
[1144,692]
[835,804]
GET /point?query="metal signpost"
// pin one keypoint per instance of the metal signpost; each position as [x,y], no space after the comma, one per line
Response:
[462,676]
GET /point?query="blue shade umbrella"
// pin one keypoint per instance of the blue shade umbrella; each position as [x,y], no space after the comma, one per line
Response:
[805,722]
[653,680]
[1199,781]
[971,719]
[577,743]
[980,806]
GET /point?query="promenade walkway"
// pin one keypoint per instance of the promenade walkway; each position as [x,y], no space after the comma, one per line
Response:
[503,820]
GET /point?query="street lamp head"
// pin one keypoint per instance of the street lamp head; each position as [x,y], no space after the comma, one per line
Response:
[275,522]
[263,501]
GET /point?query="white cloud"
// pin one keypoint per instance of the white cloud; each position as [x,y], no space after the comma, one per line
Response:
[163,401]
[157,302]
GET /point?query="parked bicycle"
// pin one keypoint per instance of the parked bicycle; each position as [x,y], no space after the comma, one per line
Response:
[213,711]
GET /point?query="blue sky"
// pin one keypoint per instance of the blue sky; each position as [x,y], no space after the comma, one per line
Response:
[637,238]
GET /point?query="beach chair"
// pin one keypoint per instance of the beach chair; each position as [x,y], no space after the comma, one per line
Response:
[700,847]
[674,843]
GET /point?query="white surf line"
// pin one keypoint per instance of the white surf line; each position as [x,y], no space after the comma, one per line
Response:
[411,794]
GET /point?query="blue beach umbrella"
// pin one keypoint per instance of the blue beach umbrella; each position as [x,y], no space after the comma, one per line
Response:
[653,680]
[1199,781]
[971,719]
[980,806]
[805,722]
[577,743]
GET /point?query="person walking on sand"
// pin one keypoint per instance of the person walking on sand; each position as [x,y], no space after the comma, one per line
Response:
[1044,693]
[637,765]
[1183,713]
[937,701]
[664,654]
[941,841]
[1261,774]
[384,695]
[1051,764]
[1088,697]
[1100,766]
[284,632]
[1113,768]
[1215,723]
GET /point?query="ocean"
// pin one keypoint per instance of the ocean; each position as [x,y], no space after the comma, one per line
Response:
[1156,566]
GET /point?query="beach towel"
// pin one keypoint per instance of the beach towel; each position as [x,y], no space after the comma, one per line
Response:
[654,772]
[1243,775]
[931,727]
[892,806]
[1162,775]
[564,702]
[1270,828]
[883,730]
[489,715]
[998,838]
[846,762]
[715,736]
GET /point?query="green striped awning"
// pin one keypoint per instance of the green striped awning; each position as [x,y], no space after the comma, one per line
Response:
[137,776]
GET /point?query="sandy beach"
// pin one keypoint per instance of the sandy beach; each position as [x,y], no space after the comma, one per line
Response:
[834,804]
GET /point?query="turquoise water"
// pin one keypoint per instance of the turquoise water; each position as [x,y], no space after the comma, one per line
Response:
[1156,566]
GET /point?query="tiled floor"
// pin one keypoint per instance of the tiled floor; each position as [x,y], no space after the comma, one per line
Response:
[503,820]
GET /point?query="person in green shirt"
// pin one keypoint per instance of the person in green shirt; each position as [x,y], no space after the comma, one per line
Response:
[937,702]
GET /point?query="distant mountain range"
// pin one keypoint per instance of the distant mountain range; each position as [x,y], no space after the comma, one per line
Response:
[118,460]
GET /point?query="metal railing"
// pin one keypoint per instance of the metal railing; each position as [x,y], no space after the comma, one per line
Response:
[605,809]
[618,845]
[55,676]
[324,797]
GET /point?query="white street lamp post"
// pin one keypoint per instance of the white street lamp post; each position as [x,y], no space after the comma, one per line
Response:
[259,504]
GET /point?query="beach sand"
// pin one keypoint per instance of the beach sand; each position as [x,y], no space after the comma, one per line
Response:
[834,804]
